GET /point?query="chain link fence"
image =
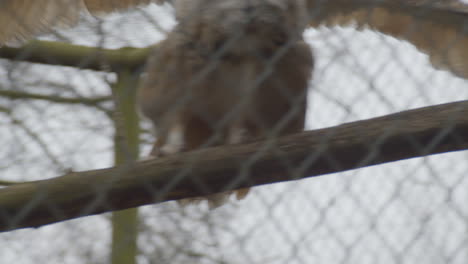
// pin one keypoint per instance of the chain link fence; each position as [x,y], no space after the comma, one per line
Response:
[59,115]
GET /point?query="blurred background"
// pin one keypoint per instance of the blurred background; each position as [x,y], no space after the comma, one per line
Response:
[54,119]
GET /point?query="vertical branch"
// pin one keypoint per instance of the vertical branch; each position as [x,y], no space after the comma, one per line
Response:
[125,223]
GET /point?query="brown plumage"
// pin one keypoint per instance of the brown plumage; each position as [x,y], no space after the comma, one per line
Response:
[22,19]
[437,28]
[234,71]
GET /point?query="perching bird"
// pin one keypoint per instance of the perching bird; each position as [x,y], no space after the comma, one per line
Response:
[231,71]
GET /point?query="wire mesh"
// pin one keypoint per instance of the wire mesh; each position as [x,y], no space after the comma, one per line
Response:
[57,119]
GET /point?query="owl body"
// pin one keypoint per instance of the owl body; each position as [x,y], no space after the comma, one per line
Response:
[231,71]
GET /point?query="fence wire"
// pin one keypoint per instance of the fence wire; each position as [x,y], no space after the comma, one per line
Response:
[207,90]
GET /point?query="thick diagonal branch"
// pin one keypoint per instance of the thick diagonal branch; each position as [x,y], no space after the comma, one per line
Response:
[404,135]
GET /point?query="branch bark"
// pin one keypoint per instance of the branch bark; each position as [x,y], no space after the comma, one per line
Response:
[404,135]
[64,54]
[91,101]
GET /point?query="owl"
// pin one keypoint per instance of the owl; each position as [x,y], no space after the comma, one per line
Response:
[231,71]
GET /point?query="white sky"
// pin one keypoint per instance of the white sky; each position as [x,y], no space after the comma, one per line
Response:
[405,212]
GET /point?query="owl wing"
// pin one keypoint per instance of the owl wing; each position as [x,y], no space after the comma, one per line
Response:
[437,28]
[22,19]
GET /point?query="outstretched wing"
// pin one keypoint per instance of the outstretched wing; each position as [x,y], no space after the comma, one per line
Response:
[22,19]
[438,28]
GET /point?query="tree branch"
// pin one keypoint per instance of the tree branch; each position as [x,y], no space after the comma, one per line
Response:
[63,54]
[404,135]
[91,101]
[7,183]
